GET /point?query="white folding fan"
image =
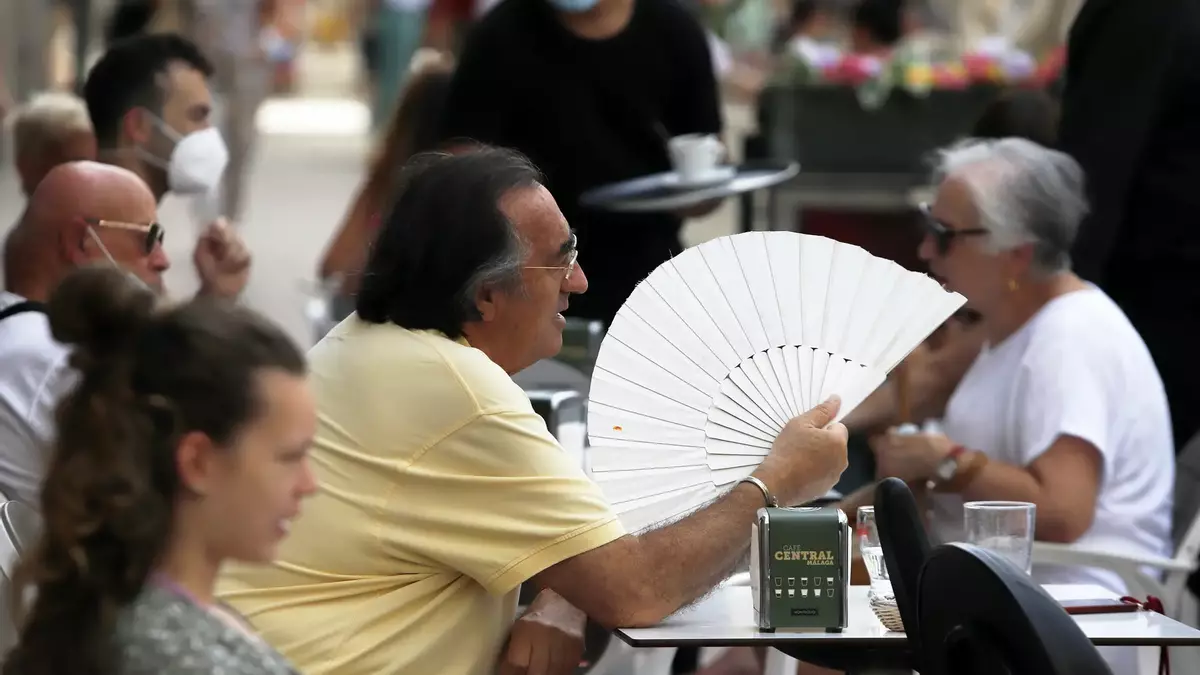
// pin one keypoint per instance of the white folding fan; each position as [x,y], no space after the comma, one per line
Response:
[719,347]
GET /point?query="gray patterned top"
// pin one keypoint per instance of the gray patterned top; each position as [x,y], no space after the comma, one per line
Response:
[164,632]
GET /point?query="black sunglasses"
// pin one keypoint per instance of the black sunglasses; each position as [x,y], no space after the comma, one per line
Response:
[943,235]
[153,231]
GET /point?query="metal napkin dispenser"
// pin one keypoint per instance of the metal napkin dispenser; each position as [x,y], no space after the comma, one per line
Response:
[800,568]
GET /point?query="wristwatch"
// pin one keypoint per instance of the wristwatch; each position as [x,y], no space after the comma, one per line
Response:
[948,467]
[957,470]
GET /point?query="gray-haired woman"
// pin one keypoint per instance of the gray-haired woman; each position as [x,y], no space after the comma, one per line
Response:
[1063,407]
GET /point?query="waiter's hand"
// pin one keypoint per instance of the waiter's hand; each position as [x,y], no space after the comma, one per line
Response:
[546,640]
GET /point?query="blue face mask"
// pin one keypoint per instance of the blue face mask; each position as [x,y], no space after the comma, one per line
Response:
[573,6]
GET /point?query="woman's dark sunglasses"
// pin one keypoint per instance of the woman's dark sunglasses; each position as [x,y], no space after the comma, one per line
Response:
[943,236]
[153,231]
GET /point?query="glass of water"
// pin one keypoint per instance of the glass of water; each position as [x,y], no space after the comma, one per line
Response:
[872,550]
[1005,528]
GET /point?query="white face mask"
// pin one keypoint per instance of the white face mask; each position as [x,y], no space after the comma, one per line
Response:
[197,162]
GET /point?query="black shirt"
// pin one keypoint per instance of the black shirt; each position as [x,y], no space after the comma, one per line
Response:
[589,113]
[1131,117]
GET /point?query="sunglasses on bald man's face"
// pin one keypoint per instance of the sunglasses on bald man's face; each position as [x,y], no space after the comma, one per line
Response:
[943,234]
[153,232]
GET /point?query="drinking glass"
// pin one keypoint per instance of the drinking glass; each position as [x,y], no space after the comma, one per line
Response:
[1005,528]
[872,550]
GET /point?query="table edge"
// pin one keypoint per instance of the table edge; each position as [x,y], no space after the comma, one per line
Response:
[824,639]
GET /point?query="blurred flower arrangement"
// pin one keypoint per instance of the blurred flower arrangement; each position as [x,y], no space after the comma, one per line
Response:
[911,68]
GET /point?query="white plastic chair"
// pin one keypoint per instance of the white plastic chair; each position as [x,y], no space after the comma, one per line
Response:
[9,557]
[20,526]
[1141,576]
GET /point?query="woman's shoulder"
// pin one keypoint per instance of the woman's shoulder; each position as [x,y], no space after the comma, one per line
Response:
[1075,316]
[1086,330]
[163,632]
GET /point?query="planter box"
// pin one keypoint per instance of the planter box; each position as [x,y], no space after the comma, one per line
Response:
[827,130]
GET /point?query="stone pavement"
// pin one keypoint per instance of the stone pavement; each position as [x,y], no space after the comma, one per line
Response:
[307,167]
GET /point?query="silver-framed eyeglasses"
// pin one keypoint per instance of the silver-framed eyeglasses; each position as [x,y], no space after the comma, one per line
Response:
[572,253]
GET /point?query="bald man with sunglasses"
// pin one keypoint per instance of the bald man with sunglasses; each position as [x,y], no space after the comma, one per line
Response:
[81,213]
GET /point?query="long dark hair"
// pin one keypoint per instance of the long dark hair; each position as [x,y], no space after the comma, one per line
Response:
[413,128]
[148,375]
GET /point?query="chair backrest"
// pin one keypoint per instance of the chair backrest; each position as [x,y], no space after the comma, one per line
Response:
[565,413]
[981,615]
[21,523]
[1187,491]
[20,526]
[558,393]
[552,374]
[905,549]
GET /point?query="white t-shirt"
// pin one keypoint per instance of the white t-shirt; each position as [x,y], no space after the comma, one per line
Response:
[34,377]
[1076,368]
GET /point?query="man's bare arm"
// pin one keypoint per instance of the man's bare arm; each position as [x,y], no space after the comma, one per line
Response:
[639,580]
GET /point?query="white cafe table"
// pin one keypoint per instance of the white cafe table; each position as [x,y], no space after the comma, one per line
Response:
[726,618]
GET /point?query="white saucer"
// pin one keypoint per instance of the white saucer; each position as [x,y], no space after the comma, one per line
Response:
[718,174]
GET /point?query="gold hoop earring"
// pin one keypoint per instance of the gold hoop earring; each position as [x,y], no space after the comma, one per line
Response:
[1012,285]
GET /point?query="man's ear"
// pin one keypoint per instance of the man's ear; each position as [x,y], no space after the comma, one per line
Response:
[485,302]
[137,125]
[73,243]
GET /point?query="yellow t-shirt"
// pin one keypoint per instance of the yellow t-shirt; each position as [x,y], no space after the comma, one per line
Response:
[441,492]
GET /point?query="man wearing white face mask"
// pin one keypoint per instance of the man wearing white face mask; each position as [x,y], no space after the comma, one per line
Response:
[151,109]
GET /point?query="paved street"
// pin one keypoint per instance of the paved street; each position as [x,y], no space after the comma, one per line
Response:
[309,162]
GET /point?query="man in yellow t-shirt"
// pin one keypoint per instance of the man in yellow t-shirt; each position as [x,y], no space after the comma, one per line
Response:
[441,489]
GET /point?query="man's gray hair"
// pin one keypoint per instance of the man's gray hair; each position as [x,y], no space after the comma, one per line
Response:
[503,271]
[47,120]
[1024,193]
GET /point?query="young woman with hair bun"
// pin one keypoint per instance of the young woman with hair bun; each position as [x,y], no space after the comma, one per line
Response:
[185,444]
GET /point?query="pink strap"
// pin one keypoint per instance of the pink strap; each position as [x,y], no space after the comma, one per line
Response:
[163,581]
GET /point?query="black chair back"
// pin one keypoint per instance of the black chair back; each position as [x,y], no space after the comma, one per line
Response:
[905,550]
[980,615]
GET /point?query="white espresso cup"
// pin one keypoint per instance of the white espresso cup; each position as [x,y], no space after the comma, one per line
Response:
[694,156]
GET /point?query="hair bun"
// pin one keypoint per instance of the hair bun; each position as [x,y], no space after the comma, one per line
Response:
[100,309]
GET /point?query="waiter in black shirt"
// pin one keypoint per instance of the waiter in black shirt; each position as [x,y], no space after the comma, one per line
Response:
[590,90]
[1131,118]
